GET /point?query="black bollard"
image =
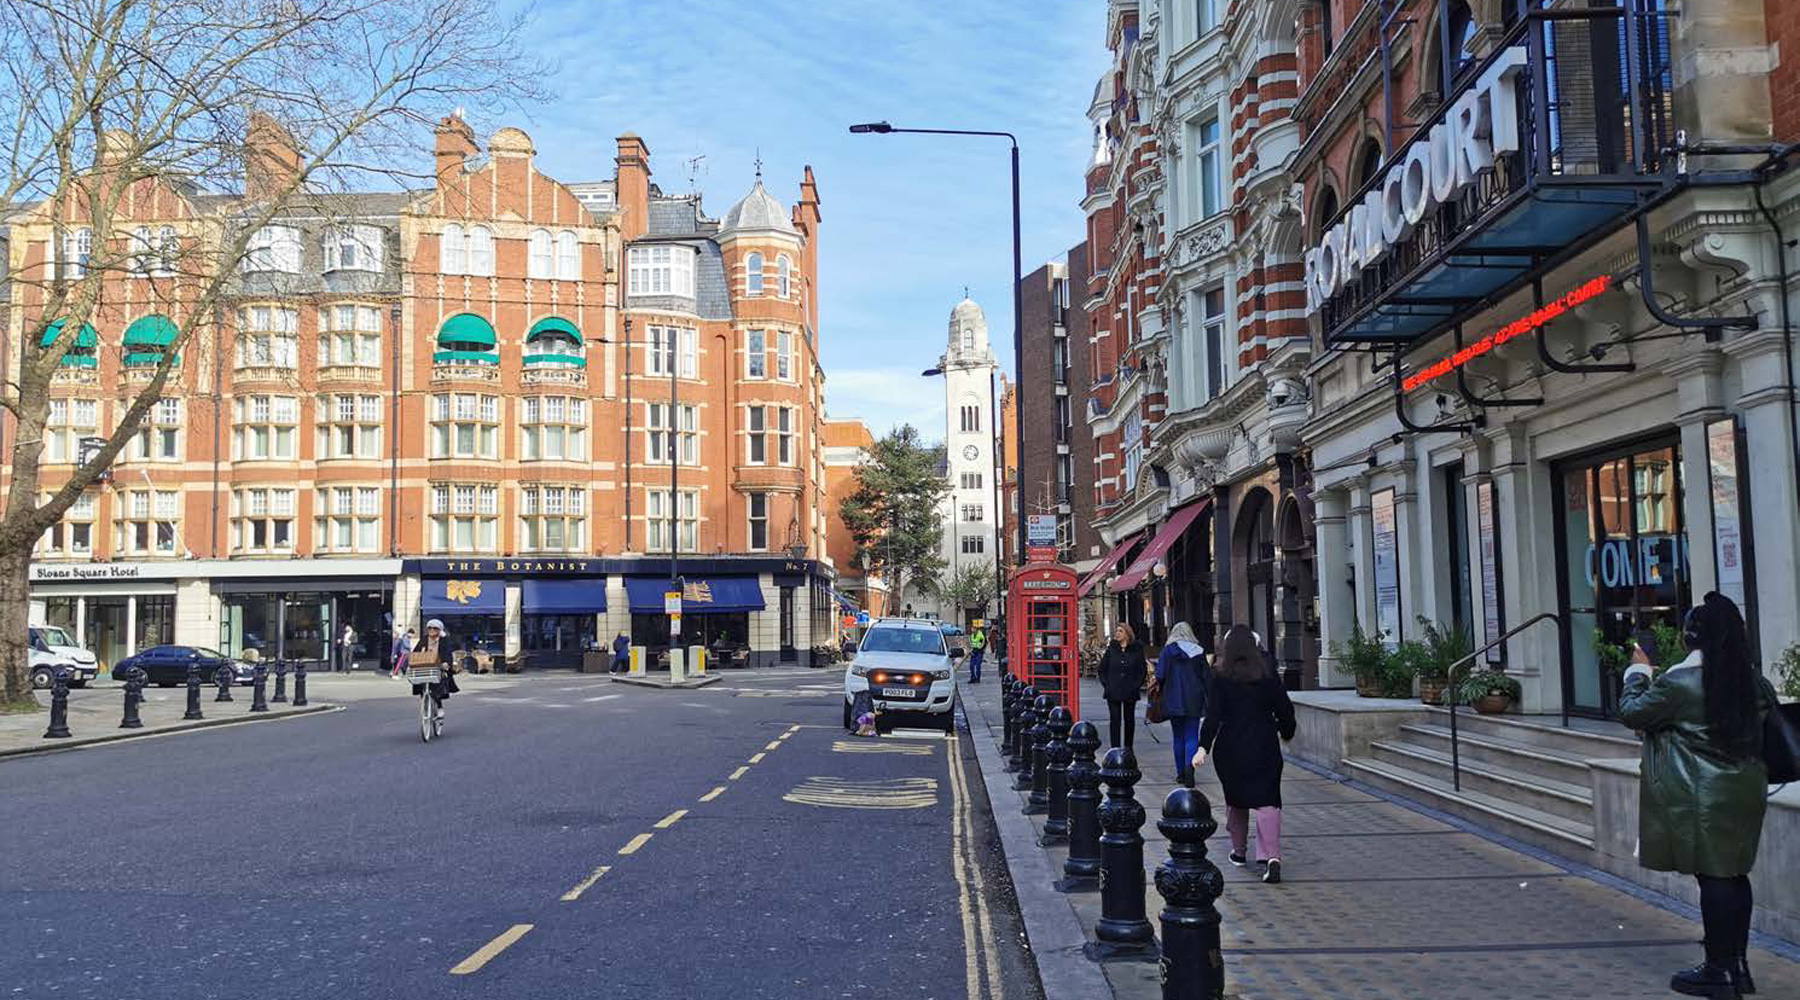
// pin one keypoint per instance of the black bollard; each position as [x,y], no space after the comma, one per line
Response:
[280,682]
[1022,738]
[59,707]
[1039,801]
[259,680]
[299,683]
[223,678]
[1056,779]
[1193,967]
[193,688]
[134,694]
[1009,690]
[1081,870]
[1123,930]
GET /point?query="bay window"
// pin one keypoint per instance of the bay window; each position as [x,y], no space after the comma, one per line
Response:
[264,427]
[553,517]
[349,426]
[262,520]
[464,517]
[267,339]
[347,519]
[660,270]
[553,428]
[465,425]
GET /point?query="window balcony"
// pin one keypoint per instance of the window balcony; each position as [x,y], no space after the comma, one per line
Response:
[358,374]
[465,366]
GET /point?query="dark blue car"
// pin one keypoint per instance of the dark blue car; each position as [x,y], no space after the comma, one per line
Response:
[167,666]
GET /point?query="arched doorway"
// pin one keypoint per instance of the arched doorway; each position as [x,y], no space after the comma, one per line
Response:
[1253,559]
[1297,651]
[1190,562]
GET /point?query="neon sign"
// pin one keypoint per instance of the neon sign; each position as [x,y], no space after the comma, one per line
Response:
[1523,325]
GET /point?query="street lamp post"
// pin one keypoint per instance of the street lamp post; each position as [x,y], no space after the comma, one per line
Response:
[883,128]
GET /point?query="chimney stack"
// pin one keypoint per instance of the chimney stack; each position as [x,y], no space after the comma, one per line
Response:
[455,144]
[632,183]
[271,160]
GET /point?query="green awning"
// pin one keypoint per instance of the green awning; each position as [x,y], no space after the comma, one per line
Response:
[556,326]
[147,358]
[486,357]
[151,331]
[466,328]
[556,359]
[84,337]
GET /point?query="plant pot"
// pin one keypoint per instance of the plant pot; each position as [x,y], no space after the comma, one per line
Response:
[1492,704]
[1368,689]
[1431,690]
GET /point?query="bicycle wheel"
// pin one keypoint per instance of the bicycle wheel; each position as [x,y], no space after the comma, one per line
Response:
[437,716]
[427,725]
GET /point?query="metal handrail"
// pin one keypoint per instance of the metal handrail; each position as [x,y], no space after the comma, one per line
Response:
[1450,683]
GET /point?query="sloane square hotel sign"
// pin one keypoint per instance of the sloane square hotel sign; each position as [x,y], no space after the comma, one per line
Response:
[1483,123]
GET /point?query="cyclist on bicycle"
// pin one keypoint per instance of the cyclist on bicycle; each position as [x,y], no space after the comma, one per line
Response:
[436,649]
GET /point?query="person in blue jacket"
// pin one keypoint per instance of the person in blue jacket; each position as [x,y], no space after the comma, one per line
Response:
[1181,679]
[621,654]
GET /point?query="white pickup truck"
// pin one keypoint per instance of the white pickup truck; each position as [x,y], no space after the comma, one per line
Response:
[52,649]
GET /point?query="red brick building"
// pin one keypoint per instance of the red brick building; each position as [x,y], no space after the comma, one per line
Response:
[482,382]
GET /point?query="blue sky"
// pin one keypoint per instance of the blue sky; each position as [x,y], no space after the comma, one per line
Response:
[908,220]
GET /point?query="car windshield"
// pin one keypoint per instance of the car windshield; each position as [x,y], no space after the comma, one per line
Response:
[205,654]
[54,635]
[903,640]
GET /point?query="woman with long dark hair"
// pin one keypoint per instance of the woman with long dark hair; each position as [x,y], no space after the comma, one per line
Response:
[1122,672]
[1703,782]
[1248,714]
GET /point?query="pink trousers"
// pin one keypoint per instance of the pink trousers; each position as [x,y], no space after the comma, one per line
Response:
[1268,831]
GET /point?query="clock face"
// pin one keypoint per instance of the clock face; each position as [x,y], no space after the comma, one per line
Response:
[971,452]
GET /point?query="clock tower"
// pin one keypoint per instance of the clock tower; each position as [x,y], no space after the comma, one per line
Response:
[971,510]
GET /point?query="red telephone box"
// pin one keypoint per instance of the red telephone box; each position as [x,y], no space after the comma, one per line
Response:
[1043,631]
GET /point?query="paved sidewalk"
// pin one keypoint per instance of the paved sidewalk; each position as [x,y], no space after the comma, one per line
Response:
[1378,900]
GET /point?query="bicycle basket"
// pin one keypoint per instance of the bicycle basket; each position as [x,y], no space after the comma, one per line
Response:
[423,675]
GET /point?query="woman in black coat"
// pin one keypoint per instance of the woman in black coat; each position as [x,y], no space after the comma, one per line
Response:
[1247,715]
[1122,674]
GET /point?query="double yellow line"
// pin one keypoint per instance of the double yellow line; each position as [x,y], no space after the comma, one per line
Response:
[965,865]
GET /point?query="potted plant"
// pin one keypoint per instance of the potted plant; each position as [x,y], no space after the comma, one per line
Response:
[1490,691]
[1365,658]
[1404,663]
[1787,673]
[1448,646]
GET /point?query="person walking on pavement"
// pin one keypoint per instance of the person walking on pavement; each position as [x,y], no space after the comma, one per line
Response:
[347,649]
[977,643]
[1181,677]
[1122,672]
[621,647]
[438,650]
[403,644]
[1247,710]
[1704,782]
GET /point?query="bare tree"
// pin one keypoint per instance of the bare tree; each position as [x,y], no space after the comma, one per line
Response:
[218,117]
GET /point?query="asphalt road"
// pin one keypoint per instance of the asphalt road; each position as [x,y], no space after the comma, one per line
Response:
[750,849]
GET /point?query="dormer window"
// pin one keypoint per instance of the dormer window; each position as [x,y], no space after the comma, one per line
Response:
[753,274]
[661,270]
[352,248]
[273,248]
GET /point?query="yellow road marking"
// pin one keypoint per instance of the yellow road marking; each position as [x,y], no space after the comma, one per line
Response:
[784,736]
[636,842]
[585,884]
[963,851]
[795,729]
[670,819]
[715,793]
[774,744]
[871,746]
[756,758]
[487,951]
[842,793]
[735,775]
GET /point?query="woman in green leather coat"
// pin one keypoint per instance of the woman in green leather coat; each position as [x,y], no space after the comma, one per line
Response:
[1701,798]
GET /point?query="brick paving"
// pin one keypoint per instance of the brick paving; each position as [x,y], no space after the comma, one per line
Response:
[1381,901]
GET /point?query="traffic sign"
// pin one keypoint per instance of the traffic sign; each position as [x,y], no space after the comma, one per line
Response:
[672,602]
[1040,530]
[675,624]
[862,618]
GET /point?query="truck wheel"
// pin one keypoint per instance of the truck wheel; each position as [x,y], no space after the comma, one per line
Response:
[42,678]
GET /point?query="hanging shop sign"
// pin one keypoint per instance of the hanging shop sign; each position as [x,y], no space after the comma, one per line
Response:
[1492,612]
[1387,567]
[1482,123]
[1517,328]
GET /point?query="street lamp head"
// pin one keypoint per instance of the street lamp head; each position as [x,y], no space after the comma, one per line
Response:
[929,372]
[882,128]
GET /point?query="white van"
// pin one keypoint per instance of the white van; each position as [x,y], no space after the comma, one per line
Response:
[52,648]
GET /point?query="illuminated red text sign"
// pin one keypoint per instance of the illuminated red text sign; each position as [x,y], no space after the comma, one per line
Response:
[1523,325]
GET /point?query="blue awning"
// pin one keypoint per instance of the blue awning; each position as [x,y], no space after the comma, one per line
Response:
[707,595]
[474,596]
[581,595]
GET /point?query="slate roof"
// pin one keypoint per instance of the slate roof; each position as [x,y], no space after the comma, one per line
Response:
[758,210]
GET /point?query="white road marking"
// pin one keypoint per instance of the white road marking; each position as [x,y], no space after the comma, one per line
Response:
[715,793]
[671,819]
[603,697]
[635,843]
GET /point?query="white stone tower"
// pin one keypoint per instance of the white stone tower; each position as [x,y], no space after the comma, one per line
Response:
[971,513]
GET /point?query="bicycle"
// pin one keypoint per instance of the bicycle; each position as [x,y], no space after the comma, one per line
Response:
[431,714]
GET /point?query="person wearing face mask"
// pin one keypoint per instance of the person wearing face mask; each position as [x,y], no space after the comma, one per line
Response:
[1703,782]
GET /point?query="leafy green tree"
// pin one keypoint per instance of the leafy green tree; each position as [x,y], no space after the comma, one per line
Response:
[893,514]
[967,587]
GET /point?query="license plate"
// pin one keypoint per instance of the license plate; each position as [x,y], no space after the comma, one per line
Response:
[899,693]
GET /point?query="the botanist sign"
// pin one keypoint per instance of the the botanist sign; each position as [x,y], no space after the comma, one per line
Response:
[1482,123]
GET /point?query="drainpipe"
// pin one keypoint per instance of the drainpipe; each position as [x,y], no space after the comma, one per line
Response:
[212,544]
[394,433]
[1787,323]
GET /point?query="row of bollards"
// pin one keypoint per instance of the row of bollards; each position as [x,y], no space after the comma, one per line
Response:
[1055,762]
[223,677]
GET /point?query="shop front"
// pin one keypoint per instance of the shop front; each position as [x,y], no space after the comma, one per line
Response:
[110,617]
[559,619]
[515,614]
[472,608]
[303,618]
[715,612]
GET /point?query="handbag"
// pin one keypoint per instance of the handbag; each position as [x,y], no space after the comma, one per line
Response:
[1781,743]
[1153,711]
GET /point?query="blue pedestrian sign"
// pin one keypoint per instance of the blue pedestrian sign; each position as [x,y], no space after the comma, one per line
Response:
[862,618]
